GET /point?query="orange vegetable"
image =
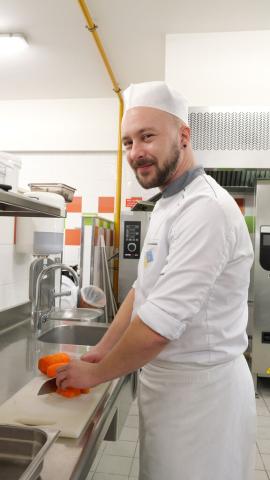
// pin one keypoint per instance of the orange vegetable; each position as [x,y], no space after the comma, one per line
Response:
[85,390]
[45,362]
[69,392]
[52,369]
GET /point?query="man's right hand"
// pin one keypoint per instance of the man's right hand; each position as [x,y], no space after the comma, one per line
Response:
[95,355]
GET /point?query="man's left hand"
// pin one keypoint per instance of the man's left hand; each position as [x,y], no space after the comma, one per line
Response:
[77,374]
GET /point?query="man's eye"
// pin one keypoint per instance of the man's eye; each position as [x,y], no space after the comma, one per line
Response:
[147,136]
[127,145]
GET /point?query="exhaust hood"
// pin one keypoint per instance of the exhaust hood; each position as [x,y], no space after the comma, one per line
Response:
[17,205]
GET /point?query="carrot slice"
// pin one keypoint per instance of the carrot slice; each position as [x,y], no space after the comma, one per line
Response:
[85,390]
[52,369]
[46,361]
[69,392]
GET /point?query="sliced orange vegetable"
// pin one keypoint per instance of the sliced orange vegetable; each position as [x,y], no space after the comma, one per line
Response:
[69,392]
[52,369]
[85,390]
[45,362]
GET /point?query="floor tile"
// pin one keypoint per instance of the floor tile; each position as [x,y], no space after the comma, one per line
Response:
[137,451]
[108,476]
[129,434]
[90,476]
[266,460]
[259,475]
[263,432]
[134,410]
[263,445]
[259,463]
[96,461]
[134,472]
[114,464]
[263,421]
[132,421]
[121,448]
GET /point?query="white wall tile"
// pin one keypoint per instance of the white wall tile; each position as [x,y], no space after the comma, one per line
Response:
[6,231]
[74,220]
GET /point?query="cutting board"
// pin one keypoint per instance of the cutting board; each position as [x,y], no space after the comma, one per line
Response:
[69,415]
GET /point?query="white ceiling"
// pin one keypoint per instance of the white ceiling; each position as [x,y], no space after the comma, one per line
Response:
[63,62]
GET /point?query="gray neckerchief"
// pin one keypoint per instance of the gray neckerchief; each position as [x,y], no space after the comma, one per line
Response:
[182,182]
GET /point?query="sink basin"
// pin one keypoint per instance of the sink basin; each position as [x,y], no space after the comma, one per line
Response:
[82,314]
[85,334]
[22,450]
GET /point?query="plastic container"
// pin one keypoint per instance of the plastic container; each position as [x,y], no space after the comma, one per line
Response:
[9,170]
[41,236]
[59,188]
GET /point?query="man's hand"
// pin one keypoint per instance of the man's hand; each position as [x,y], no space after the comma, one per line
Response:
[95,355]
[77,374]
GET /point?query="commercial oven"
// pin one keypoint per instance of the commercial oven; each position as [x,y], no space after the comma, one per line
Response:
[133,227]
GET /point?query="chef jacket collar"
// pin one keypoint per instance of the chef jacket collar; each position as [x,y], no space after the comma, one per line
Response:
[182,182]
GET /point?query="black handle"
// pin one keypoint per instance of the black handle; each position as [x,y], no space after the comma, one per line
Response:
[5,187]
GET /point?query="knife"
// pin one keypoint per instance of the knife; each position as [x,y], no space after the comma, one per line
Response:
[48,387]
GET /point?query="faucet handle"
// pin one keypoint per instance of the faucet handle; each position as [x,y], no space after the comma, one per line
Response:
[62,294]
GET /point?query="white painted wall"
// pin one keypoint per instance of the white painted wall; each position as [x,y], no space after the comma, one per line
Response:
[228,68]
[59,125]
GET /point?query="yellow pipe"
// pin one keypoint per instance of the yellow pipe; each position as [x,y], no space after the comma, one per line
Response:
[93,29]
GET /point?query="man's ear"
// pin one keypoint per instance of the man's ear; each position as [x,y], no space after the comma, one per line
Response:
[185,135]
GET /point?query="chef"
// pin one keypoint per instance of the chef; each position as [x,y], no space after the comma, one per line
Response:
[184,321]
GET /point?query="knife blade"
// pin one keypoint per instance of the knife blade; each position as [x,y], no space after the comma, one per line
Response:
[48,387]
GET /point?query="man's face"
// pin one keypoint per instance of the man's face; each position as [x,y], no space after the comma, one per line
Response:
[151,140]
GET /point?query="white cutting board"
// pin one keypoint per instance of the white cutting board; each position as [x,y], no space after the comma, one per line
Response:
[69,415]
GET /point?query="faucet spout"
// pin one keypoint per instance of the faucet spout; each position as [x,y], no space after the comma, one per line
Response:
[37,313]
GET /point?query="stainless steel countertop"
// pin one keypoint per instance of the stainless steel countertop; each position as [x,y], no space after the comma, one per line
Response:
[67,459]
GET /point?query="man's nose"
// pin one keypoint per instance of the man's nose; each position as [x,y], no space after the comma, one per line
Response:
[136,152]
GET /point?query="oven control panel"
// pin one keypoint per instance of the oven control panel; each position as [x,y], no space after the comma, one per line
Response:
[132,239]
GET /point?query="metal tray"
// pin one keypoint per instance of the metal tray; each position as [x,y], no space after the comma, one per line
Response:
[22,450]
[60,188]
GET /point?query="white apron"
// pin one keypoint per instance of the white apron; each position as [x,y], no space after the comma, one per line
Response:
[197,423]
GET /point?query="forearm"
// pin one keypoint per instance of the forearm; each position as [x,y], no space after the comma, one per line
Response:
[138,345]
[120,323]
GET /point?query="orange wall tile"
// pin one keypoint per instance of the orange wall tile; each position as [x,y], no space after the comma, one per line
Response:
[105,204]
[75,205]
[73,236]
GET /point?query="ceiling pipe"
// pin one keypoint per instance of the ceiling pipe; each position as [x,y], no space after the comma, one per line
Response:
[117,210]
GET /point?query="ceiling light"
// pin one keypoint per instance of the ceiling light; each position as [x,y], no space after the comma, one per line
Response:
[12,43]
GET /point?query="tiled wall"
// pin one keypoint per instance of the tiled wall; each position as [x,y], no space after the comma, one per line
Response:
[14,269]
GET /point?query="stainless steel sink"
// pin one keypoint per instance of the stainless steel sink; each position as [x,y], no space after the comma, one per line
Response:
[81,314]
[85,334]
[22,450]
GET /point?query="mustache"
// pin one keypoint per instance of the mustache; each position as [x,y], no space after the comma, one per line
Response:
[142,162]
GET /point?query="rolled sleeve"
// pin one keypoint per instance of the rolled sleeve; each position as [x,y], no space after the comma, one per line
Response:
[160,321]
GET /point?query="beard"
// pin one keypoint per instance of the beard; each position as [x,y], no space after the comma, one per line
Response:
[162,174]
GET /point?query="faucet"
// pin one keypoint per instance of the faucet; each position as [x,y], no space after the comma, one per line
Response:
[38,315]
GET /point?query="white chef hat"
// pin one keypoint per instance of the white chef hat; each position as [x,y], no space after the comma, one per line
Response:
[156,95]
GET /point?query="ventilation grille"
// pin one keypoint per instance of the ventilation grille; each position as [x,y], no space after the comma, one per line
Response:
[230,130]
[244,178]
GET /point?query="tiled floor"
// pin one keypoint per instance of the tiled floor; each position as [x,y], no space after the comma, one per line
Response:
[120,460]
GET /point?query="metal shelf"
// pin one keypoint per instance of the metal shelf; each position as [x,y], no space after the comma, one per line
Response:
[16,205]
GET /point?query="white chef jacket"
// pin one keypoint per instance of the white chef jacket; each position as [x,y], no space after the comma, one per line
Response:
[193,275]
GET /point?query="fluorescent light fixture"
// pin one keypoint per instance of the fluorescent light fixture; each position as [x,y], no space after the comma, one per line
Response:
[11,43]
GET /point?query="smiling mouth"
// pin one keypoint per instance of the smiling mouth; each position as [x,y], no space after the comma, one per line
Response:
[144,168]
